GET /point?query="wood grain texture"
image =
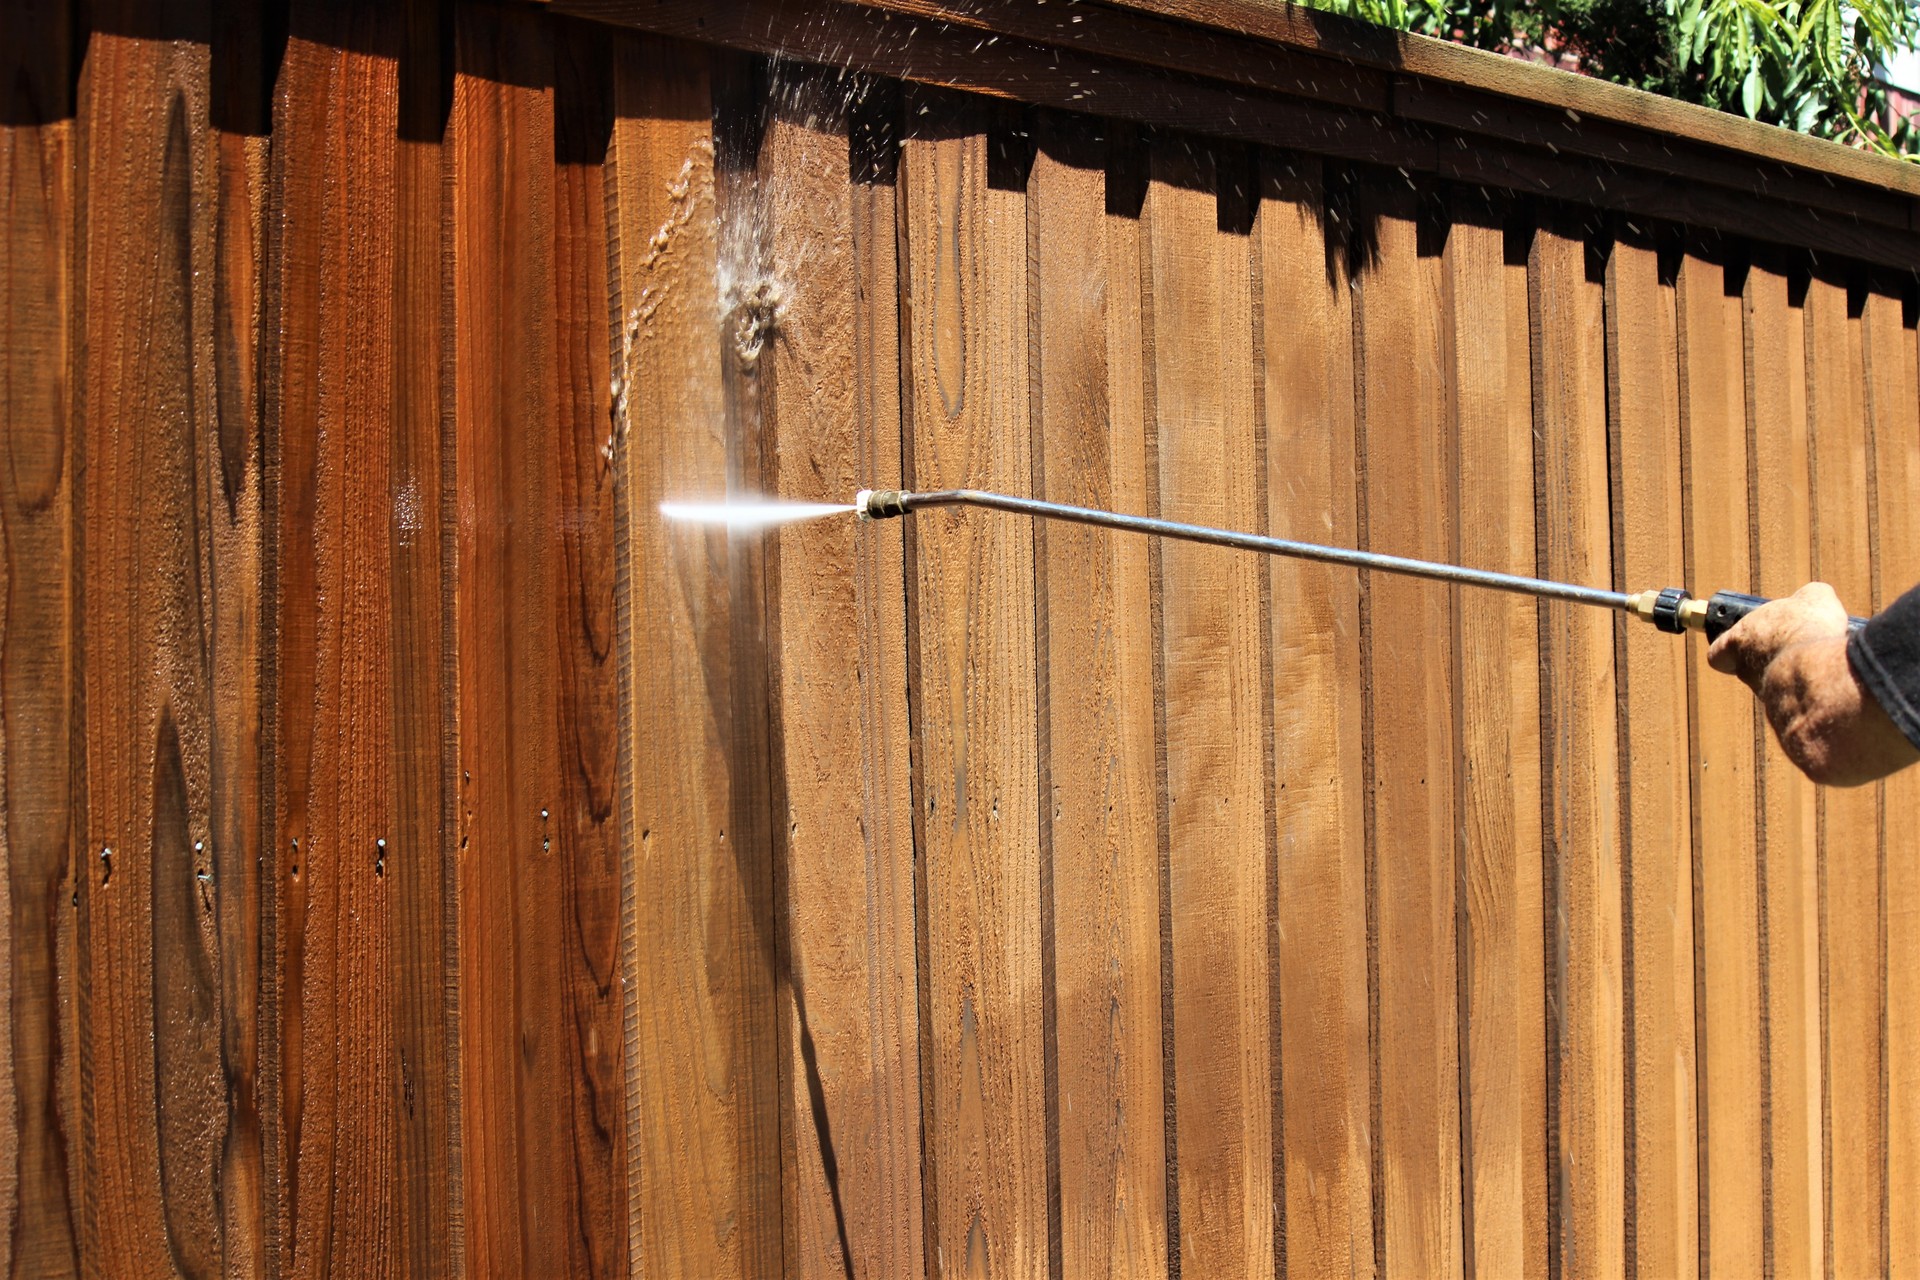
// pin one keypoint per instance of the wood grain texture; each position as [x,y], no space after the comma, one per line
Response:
[1499,908]
[1096,646]
[1402,371]
[1325,1072]
[702,1077]
[1713,436]
[851,1101]
[337,1053]
[1854,1122]
[426,757]
[1783,560]
[965,326]
[39,1111]
[541,1138]
[156,598]
[1663,1236]
[1580,817]
[1893,420]
[1212,650]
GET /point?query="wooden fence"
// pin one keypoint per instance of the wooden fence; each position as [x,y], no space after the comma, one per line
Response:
[422,859]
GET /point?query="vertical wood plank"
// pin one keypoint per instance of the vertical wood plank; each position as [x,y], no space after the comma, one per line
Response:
[1714,444]
[1849,820]
[851,1161]
[1209,472]
[1586,1137]
[1324,1069]
[39,1120]
[425,729]
[156,590]
[965,351]
[576,611]
[702,1074]
[1405,465]
[1097,647]
[329,412]
[1497,660]
[538,1009]
[1656,794]
[1893,419]
[241,114]
[1783,500]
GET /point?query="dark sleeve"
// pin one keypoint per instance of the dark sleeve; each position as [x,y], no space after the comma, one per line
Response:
[1885,657]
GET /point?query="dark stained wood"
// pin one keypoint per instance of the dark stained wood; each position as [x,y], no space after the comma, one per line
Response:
[1097,650]
[1893,420]
[342,520]
[1586,1138]
[426,754]
[40,1182]
[1499,909]
[850,1101]
[1324,1073]
[1406,460]
[1854,1131]
[1663,1188]
[540,1008]
[702,1076]
[1713,441]
[964,349]
[1776,364]
[154,1092]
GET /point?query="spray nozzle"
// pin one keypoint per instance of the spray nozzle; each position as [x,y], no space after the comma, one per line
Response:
[879,504]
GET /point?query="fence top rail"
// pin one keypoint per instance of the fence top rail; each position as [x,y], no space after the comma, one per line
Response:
[1275,74]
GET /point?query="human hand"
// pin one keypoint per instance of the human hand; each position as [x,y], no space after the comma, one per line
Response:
[1793,654]
[1749,647]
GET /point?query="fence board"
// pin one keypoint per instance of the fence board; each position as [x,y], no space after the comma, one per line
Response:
[1849,820]
[1097,652]
[150,995]
[1713,442]
[1407,511]
[39,1118]
[1893,418]
[1783,560]
[964,259]
[1655,803]
[1200,362]
[1325,1072]
[833,427]
[1586,1139]
[701,1079]
[1497,787]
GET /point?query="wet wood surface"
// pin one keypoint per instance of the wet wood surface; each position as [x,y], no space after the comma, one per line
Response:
[424,858]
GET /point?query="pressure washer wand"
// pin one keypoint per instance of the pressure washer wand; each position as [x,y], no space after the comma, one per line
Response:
[1671,609]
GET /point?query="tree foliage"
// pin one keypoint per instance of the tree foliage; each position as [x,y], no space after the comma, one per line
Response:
[1805,64]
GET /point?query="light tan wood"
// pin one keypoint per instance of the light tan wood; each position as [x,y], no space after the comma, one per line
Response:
[1893,418]
[1197,282]
[1497,664]
[702,1073]
[1580,774]
[850,1041]
[964,258]
[1097,650]
[1406,462]
[1794,1166]
[1664,1228]
[1855,1132]
[1713,434]
[1325,1070]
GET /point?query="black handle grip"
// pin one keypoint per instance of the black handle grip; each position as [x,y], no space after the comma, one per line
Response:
[1724,608]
